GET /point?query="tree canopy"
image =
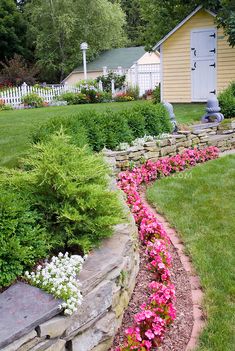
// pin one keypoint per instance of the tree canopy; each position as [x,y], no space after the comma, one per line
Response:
[160,16]
[49,32]
[12,30]
[58,27]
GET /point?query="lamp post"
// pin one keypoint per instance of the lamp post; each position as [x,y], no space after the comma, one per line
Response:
[84,47]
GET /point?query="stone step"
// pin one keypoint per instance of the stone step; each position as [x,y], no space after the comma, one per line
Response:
[201,126]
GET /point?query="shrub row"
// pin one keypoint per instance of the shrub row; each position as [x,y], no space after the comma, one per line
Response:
[227,101]
[109,128]
[58,201]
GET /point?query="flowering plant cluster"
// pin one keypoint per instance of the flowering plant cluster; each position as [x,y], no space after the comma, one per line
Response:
[59,277]
[158,311]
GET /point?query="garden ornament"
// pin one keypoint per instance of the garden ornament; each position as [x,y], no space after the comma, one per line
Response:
[212,110]
[170,110]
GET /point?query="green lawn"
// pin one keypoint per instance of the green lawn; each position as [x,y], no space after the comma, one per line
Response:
[17,125]
[200,204]
[189,113]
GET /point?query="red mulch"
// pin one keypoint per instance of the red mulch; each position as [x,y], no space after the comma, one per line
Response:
[179,332]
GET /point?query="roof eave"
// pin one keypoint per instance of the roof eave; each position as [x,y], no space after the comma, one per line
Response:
[157,46]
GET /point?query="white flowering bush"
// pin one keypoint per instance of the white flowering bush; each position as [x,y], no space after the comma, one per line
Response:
[59,277]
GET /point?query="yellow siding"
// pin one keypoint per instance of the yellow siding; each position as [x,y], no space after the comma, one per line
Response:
[176,59]
[225,62]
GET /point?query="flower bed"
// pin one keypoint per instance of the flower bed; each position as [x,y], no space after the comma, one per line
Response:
[158,312]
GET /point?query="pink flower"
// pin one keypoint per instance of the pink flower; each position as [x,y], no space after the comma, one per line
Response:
[158,311]
[149,334]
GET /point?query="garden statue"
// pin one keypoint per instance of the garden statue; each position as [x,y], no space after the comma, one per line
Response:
[170,110]
[212,110]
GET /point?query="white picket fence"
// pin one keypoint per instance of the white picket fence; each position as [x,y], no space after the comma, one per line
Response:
[13,96]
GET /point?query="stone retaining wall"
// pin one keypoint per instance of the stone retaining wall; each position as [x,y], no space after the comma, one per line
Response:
[108,279]
[202,135]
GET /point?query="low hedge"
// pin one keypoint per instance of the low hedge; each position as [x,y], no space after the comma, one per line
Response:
[109,128]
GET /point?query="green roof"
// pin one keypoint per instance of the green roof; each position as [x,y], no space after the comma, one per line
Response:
[124,57]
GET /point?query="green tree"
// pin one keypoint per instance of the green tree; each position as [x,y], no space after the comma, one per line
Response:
[135,22]
[58,27]
[12,30]
[161,16]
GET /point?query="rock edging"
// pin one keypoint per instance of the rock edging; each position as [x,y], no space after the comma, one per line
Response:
[200,136]
[107,278]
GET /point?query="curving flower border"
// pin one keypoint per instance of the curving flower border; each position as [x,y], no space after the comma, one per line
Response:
[158,312]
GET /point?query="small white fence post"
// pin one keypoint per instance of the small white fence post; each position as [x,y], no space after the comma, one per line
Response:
[100,85]
[105,71]
[113,87]
[24,89]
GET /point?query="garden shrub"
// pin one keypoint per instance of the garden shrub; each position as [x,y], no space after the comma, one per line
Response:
[227,101]
[133,91]
[33,100]
[22,240]
[117,129]
[157,119]
[109,128]
[73,98]
[136,122]
[94,124]
[123,97]
[156,94]
[70,191]
[103,96]
[71,125]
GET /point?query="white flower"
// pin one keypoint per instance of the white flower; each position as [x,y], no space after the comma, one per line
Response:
[59,277]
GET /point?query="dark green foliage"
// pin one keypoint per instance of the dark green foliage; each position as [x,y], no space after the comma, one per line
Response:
[156,119]
[108,128]
[157,94]
[70,191]
[90,94]
[71,126]
[12,30]
[161,16]
[116,128]
[22,239]
[136,122]
[227,101]
[106,81]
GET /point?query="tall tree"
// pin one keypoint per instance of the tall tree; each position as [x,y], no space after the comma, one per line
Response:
[12,30]
[135,22]
[58,27]
[161,16]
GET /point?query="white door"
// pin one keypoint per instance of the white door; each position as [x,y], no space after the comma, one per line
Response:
[203,63]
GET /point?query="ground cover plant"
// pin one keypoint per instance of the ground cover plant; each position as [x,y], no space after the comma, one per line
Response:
[158,311]
[59,200]
[205,220]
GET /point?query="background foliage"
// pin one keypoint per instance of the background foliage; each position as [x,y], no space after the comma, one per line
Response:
[49,32]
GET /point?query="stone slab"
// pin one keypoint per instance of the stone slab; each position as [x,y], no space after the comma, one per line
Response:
[21,341]
[22,308]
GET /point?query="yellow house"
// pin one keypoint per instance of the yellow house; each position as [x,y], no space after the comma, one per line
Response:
[196,59]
